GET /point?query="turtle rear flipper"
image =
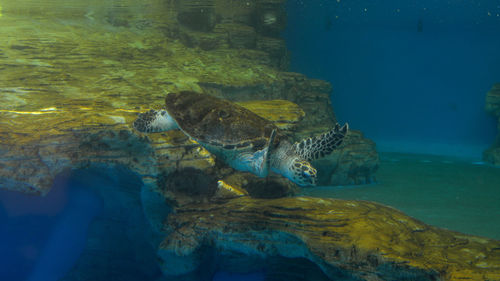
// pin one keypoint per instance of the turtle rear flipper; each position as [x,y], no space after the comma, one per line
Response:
[154,121]
[319,146]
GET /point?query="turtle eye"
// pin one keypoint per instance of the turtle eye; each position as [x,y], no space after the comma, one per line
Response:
[223,114]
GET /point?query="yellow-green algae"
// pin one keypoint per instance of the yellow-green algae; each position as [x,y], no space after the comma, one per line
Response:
[64,83]
[77,74]
[357,236]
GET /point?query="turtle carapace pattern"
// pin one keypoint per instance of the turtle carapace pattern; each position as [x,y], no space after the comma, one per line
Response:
[239,137]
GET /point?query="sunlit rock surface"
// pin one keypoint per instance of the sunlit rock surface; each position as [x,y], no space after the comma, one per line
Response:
[69,94]
[347,240]
[492,155]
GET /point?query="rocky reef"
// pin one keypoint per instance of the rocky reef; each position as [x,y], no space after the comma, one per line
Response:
[68,104]
[213,24]
[492,155]
[346,240]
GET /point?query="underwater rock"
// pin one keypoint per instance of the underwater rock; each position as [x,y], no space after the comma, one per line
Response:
[71,105]
[240,36]
[196,15]
[355,162]
[276,48]
[31,164]
[56,114]
[347,240]
[492,154]
[205,41]
[270,17]
[221,24]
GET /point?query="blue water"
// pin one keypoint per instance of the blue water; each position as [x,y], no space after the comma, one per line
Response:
[42,237]
[414,80]
[228,276]
[46,238]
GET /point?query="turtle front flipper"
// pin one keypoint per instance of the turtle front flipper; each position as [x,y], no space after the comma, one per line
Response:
[268,150]
[286,162]
[319,146]
[154,121]
[257,162]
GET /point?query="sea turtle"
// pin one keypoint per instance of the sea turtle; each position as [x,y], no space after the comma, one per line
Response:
[239,137]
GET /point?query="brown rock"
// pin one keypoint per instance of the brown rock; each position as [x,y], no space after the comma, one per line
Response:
[347,239]
[63,106]
[205,41]
[197,15]
[240,36]
[235,11]
[270,17]
[493,100]
[276,49]
[355,162]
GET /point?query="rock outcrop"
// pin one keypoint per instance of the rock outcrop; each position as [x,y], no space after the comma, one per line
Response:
[492,155]
[347,240]
[212,24]
[62,108]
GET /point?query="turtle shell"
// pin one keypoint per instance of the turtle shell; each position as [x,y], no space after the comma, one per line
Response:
[218,122]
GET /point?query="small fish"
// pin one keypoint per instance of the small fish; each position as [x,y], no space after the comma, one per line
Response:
[269,18]
[420,25]
[328,23]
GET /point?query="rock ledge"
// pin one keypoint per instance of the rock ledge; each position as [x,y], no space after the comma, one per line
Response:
[354,240]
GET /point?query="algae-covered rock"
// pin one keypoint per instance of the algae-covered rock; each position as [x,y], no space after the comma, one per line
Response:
[493,100]
[65,111]
[355,162]
[347,240]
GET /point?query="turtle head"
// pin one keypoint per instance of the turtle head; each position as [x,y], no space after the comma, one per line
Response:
[301,172]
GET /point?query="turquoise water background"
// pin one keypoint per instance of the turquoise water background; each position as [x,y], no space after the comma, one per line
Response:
[412,75]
